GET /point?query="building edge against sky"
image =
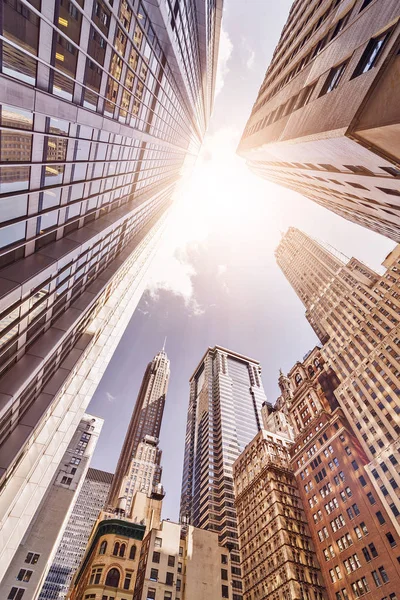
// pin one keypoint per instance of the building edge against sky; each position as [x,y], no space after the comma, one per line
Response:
[326,118]
[100,110]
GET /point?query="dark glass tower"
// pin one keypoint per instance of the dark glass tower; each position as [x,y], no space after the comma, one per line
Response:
[145,422]
[224,415]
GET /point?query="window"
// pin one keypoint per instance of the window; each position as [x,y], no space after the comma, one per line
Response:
[122,550]
[158,542]
[167,595]
[24,575]
[371,53]
[391,539]
[32,558]
[179,567]
[171,561]
[361,479]
[103,547]
[354,464]
[224,559]
[156,557]
[127,581]
[132,553]
[116,549]
[367,555]
[178,585]
[154,575]
[383,574]
[169,578]
[95,576]
[376,579]
[380,517]
[333,79]
[151,594]
[180,550]
[225,591]
[17,593]
[112,578]
[224,574]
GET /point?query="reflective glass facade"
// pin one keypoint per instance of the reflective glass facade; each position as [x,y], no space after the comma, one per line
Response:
[224,415]
[101,108]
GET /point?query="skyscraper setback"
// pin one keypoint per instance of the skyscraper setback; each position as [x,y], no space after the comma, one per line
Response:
[140,444]
[224,414]
[325,117]
[355,312]
[101,106]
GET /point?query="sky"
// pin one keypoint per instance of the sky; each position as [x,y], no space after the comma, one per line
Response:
[215,280]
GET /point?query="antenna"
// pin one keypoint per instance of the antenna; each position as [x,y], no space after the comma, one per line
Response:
[165,341]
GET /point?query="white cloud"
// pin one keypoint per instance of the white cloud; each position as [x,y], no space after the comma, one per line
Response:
[224,54]
[110,397]
[250,60]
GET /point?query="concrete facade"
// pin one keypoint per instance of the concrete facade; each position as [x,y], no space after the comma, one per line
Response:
[102,105]
[326,119]
[49,522]
[72,546]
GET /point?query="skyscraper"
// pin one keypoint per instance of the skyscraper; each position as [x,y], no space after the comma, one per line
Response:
[224,415]
[140,444]
[33,556]
[354,538]
[355,311]
[101,106]
[278,555]
[72,546]
[325,117]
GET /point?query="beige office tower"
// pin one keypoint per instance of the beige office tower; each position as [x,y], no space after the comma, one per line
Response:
[33,557]
[326,119]
[355,313]
[102,105]
[278,559]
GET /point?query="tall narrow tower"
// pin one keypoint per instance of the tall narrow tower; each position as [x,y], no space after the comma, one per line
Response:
[224,415]
[144,428]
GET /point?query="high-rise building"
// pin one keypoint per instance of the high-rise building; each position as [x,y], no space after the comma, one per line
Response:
[224,415]
[354,537]
[72,546]
[325,119]
[355,312]
[140,444]
[32,558]
[277,551]
[101,106]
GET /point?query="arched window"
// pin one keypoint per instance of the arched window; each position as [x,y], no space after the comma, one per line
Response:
[298,379]
[311,371]
[132,553]
[122,550]
[103,547]
[317,364]
[112,578]
[116,549]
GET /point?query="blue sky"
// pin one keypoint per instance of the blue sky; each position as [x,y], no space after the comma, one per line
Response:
[215,280]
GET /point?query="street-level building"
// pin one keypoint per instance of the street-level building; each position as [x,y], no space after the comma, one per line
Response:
[355,313]
[277,551]
[90,501]
[182,563]
[33,557]
[102,106]
[357,545]
[326,119]
[224,415]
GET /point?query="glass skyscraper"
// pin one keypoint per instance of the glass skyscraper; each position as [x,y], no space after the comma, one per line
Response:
[224,415]
[102,104]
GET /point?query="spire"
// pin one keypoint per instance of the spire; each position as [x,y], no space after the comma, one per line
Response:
[165,341]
